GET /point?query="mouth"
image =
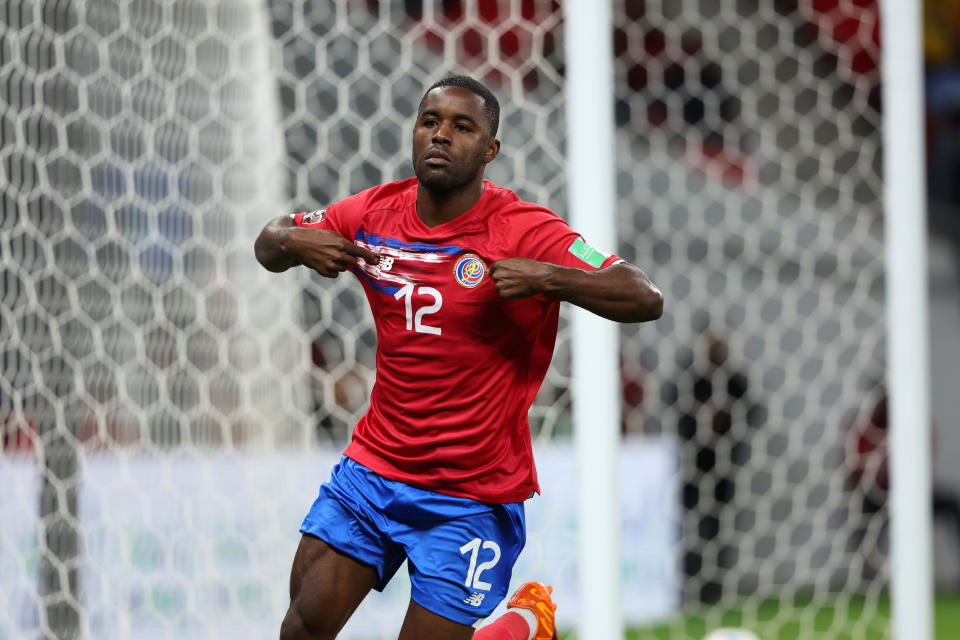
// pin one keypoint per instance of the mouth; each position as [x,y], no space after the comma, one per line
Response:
[436,158]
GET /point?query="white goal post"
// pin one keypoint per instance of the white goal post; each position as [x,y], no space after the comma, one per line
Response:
[594,342]
[908,335]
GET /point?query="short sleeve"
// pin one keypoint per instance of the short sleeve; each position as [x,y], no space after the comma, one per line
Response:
[343,217]
[543,235]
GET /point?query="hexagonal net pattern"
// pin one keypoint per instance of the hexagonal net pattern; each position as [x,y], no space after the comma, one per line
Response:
[155,382]
[750,189]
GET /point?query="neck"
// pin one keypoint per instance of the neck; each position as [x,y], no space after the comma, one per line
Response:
[436,208]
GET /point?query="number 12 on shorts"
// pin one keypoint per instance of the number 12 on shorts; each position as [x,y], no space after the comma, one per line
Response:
[474,571]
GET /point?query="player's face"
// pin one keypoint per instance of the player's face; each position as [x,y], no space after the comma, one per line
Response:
[451,140]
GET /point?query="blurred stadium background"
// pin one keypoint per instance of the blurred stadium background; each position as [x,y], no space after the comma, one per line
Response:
[168,408]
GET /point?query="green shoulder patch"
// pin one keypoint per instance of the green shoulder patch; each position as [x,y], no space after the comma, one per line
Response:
[587,253]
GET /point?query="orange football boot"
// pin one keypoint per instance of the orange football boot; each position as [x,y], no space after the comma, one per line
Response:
[536,597]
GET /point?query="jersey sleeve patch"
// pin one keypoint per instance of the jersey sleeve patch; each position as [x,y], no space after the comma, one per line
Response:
[313,217]
[588,254]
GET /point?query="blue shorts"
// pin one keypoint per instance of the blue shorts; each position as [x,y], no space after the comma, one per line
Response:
[461,551]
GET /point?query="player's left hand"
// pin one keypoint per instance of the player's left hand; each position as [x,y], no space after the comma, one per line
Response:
[520,277]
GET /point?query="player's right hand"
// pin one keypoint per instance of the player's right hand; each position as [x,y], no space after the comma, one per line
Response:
[326,252]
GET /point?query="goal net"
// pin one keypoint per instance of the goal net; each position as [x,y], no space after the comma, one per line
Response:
[168,409]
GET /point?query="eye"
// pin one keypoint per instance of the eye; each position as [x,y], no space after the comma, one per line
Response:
[430,122]
[463,127]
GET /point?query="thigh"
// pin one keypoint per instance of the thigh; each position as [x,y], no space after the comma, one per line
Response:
[348,515]
[326,587]
[420,624]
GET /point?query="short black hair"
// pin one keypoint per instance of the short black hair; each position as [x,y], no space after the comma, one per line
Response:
[491,108]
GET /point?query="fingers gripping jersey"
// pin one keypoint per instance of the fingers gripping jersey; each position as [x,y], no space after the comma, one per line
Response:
[457,366]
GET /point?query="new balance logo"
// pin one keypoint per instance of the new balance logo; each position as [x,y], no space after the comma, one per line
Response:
[475,599]
[386,263]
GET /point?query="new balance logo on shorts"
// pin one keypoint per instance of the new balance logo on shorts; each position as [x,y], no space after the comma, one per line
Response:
[475,599]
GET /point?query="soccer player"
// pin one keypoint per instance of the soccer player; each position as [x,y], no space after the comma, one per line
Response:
[465,282]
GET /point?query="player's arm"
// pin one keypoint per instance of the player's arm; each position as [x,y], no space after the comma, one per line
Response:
[282,244]
[621,292]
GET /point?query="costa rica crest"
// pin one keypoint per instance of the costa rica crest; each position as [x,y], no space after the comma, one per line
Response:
[469,270]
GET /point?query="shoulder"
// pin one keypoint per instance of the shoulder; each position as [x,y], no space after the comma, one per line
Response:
[499,196]
[523,218]
[507,208]
[391,195]
[526,229]
[348,215]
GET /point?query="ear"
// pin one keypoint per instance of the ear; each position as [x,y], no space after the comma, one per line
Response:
[493,149]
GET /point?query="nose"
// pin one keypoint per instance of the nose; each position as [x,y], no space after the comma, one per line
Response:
[441,133]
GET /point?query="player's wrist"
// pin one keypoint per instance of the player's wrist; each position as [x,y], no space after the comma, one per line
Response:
[554,280]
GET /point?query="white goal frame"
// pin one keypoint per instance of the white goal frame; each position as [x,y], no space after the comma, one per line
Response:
[595,348]
[908,350]
[589,92]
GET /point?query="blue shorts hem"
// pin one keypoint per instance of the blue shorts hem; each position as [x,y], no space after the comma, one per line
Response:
[317,532]
[445,611]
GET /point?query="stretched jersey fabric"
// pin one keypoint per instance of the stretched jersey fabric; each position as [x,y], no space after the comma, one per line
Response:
[457,365]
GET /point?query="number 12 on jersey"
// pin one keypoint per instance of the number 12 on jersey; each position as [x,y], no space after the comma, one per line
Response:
[415,320]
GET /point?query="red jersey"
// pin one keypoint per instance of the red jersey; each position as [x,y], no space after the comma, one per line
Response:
[457,365]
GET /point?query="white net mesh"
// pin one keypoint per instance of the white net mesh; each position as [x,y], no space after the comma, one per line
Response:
[750,183]
[158,389]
